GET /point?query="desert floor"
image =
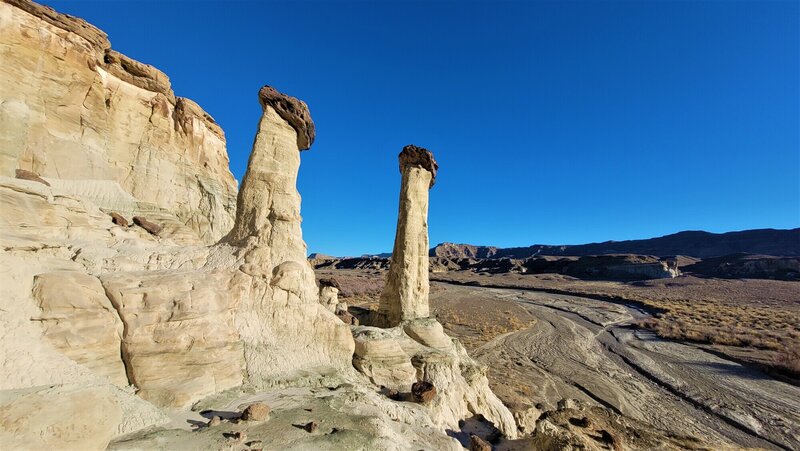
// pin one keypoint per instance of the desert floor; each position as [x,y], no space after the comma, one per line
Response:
[541,347]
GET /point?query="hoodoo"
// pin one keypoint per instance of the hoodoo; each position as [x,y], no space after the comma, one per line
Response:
[405,296]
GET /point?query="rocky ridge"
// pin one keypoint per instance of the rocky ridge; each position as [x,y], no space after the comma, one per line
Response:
[697,244]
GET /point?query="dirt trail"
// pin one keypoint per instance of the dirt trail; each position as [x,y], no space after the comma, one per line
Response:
[585,349]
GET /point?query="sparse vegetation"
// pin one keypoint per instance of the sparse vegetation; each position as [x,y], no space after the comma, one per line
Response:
[760,316]
[787,361]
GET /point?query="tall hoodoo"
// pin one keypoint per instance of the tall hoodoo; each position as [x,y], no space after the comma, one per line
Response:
[268,195]
[273,319]
[405,296]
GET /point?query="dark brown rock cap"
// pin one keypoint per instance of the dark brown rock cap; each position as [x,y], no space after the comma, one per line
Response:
[329,282]
[292,110]
[420,157]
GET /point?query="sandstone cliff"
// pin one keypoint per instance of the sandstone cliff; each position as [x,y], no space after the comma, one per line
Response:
[73,109]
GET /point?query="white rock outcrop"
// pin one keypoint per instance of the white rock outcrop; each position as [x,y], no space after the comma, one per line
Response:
[78,319]
[74,109]
[405,295]
[280,321]
[106,327]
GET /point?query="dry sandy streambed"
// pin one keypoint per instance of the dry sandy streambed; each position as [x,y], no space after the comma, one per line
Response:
[586,349]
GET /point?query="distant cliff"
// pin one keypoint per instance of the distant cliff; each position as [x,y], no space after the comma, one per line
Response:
[696,244]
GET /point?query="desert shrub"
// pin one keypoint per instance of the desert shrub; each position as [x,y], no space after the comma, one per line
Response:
[787,361]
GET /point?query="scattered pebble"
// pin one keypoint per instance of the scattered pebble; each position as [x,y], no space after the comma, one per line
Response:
[311,426]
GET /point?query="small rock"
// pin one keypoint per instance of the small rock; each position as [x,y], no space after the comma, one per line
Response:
[423,391]
[238,437]
[256,412]
[606,437]
[568,403]
[215,421]
[28,175]
[580,422]
[347,318]
[311,426]
[478,444]
[151,227]
[254,444]
[391,393]
[118,219]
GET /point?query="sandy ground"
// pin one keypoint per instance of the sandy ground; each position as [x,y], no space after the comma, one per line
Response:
[585,349]
[541,347]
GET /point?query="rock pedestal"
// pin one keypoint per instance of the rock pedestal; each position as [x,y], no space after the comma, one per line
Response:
[273,318]
[405,296]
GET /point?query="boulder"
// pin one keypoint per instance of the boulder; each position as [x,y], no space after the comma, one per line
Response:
[292,110]
[256,412]
[311,426]
[380,357]
[180,342]
[423,391]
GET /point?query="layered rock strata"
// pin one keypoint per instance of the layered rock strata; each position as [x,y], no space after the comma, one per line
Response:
[405,296]
[73,108]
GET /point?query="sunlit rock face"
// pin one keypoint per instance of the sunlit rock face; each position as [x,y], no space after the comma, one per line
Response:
[405,296]
[74,109]
[403,345]
[280,321]
[109,323]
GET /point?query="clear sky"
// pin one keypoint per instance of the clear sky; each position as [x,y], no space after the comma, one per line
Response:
[553,122]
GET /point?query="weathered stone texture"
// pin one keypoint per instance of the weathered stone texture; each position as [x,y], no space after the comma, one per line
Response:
[281,322]
[180,342]
[79,320]
[72,108]
[405,295]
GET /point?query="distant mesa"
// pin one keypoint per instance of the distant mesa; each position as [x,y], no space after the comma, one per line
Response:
[695,244]
[761,254]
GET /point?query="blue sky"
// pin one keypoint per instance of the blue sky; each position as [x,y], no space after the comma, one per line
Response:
[553,122]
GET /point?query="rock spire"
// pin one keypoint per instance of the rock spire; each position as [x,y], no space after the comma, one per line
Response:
[405,295]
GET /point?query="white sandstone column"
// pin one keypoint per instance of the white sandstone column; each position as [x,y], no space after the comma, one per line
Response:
[405,295]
